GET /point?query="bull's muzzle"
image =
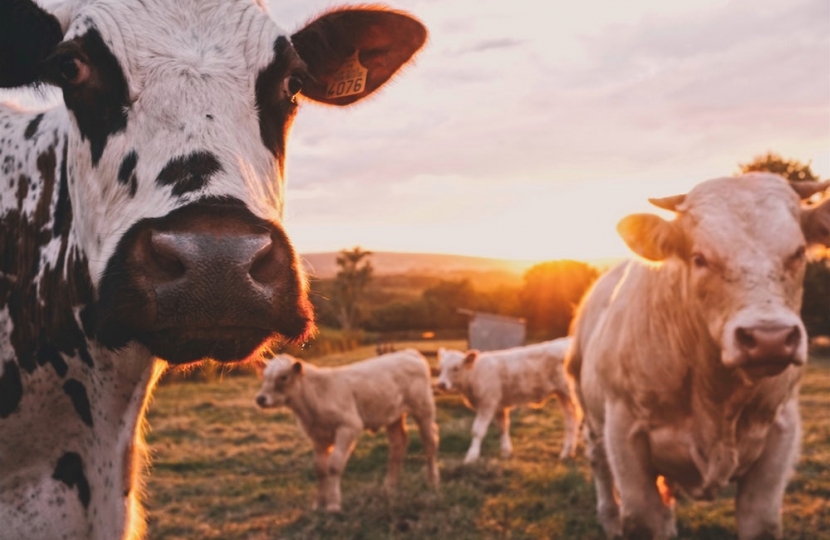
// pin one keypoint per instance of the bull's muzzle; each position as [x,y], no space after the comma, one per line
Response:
[769,349]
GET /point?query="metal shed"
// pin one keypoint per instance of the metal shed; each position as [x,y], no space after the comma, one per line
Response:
[491,332]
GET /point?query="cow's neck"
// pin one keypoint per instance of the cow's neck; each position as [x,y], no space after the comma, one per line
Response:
[80,404]
[715,397]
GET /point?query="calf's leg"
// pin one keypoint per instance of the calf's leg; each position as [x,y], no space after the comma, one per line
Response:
[503,423]
[344,441]
[571,418]
[398,441]
[761,489]
[484,416]
[428,430]
[321,470]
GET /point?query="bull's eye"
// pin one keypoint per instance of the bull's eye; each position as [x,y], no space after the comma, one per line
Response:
[699,261]
[799,255]
[293,85]
[72,70]
[283,378]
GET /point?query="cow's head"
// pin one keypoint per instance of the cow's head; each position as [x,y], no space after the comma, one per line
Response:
[178,115]
[455,367]
[279,380]
[742,242]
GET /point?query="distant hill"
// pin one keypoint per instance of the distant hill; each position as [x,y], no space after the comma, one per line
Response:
[324,265]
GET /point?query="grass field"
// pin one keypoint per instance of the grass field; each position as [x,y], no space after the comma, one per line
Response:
[222,469]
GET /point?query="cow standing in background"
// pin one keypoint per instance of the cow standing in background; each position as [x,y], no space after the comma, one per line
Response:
[688,367]
[141,219]
[335,405]
[494,382]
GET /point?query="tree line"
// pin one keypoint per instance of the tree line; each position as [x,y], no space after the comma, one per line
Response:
[546,297]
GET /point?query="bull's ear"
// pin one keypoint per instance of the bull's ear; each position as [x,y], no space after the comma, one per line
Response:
[651,236]
[350,53]
[297,367]
[815,223]
[471,358]
[28,35]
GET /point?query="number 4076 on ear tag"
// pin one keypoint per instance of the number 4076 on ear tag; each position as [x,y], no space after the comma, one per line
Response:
[349,80]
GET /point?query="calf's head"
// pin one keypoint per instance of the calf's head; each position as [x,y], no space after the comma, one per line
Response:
[455,367]
[279,379]
[742,243]
[177,116]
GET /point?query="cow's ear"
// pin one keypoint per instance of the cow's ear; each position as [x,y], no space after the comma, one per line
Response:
[815,223]
[350,53]
[651,236]
[28,35]
[297,367]
[471,358]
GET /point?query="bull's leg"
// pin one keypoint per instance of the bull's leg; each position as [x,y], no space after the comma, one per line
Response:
[571,418]
[321,470]
[398,441]
[761,489]
[503,423]
[428,430]
[608,510]
[344,441]
[644,514]
[484,416]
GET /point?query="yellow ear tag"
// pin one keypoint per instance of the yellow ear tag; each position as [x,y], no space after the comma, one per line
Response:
[349,80]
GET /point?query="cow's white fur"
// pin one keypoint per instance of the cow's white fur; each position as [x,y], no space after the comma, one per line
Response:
[177,74]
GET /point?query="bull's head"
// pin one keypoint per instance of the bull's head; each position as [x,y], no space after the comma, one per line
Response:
[176,118]
[742,242]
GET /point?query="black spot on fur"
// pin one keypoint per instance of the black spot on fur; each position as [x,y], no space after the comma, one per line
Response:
[126,173]
[189,173]
[28,35]
[70,471]
[11,389]
[100,104]
[31,129]
[275,110]
[63,209]
[77,393]
[49,354]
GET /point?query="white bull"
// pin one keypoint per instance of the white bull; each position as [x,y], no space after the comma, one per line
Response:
[687,367]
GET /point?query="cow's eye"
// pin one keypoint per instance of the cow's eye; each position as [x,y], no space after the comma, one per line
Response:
[293,85]
[283,378]
[699,261]
[72,70]
[799,254]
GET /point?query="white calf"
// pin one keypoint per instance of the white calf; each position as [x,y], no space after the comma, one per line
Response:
[334,405]
[494,382]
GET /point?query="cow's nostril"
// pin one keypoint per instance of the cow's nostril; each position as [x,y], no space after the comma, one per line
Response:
[269,264]
[164,252]
[260,400]
[745,338]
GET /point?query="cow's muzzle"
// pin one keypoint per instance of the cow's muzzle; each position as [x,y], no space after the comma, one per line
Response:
[207,281]
[768,349]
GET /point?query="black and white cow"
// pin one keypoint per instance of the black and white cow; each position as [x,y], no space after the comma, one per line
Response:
[141,221]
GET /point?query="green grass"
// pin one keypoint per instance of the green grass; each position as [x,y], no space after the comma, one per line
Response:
[222,469]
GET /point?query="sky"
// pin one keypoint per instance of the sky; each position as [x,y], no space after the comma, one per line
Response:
[528,129]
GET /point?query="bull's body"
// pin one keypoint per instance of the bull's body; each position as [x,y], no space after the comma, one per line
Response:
[689,368]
